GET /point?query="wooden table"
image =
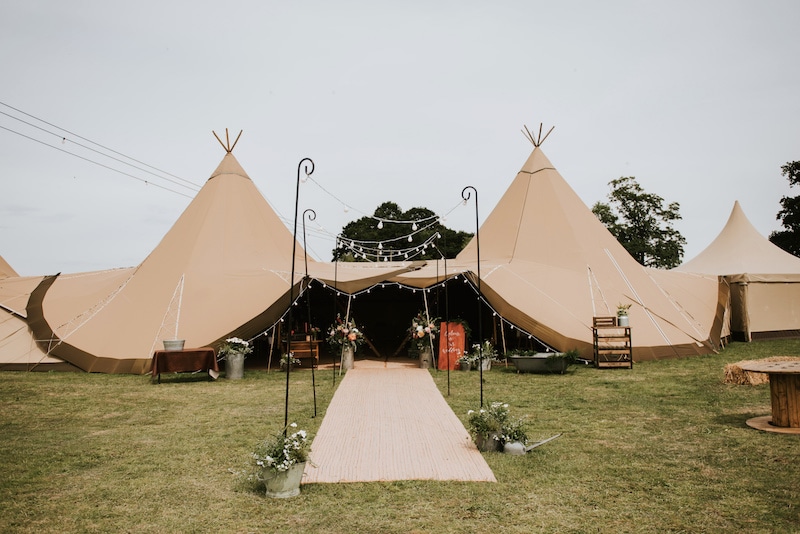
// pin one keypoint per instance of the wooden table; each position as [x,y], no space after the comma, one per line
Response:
[784,386]
[187,360]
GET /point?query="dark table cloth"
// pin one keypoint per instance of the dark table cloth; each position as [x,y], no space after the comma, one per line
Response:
[187,360]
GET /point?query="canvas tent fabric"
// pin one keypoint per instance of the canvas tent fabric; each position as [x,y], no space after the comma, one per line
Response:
[764,279]
[6,270]
[222,269]
[549,266]
[19,349]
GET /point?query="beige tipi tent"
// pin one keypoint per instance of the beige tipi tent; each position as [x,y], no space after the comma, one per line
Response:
[764,279]
[222,269]
[549,266]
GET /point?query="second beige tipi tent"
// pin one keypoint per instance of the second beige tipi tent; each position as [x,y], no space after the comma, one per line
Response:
[764,279]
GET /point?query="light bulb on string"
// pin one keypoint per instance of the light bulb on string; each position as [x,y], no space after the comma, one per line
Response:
[380,246]
[414,227]
[380,225]
[346,208]
[410,239]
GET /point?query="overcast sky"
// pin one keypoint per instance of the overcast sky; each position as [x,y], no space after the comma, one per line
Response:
[403,101]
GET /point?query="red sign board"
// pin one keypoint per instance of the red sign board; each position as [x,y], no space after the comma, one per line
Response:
[451,345]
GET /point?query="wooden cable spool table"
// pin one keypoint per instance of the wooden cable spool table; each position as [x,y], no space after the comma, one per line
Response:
[784,387]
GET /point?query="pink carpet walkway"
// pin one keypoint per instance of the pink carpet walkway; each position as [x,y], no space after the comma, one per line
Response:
[388,424]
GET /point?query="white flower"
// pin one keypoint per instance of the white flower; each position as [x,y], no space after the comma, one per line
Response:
[293,425]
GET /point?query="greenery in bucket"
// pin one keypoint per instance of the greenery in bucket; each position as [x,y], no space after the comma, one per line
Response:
[282,451]
[485,351]
[514,430]
[489,420]
[288,359]
[496,420]
[233,346]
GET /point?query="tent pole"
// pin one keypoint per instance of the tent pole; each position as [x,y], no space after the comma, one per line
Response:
[346,321]
[311,216]
[466,196]
[291,287]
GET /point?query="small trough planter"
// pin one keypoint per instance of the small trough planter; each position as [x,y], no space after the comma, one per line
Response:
[541,362]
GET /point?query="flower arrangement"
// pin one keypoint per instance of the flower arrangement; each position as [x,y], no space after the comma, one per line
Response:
[486,350]
[489,420]
[282,451]
[495,421]
[622,309]
[234,346]
[289,359]
[465,358]
[514,430]
[423,330]
[344,332]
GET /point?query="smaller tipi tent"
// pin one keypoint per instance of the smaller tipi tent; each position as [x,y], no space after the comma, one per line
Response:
[764,279]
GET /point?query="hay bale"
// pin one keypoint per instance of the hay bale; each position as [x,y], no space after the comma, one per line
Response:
[734,374]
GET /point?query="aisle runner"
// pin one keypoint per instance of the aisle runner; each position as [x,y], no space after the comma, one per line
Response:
[392,424]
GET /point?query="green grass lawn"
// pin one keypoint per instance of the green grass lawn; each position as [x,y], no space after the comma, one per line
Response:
[659,448]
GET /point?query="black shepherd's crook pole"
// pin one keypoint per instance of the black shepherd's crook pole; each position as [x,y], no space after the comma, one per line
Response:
[466,195]
[291,286]
[311,216]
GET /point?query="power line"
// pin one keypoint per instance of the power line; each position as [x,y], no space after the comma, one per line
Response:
[147,182]
[64,140]
[92,142]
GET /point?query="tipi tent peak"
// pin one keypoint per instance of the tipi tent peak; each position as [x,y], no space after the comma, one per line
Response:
[538,140]
[227,144]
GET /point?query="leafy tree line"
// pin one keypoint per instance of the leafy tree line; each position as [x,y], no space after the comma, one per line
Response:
[789,215]
[393,235]
[642,223]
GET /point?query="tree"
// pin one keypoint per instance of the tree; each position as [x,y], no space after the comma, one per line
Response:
[642,223]
[789,215]
[366,236]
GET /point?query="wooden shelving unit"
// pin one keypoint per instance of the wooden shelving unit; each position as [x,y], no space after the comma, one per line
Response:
[612,343]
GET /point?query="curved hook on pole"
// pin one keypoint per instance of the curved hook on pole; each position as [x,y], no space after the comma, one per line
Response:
[312,215]
[306,170]
[291,283]
[466,195]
